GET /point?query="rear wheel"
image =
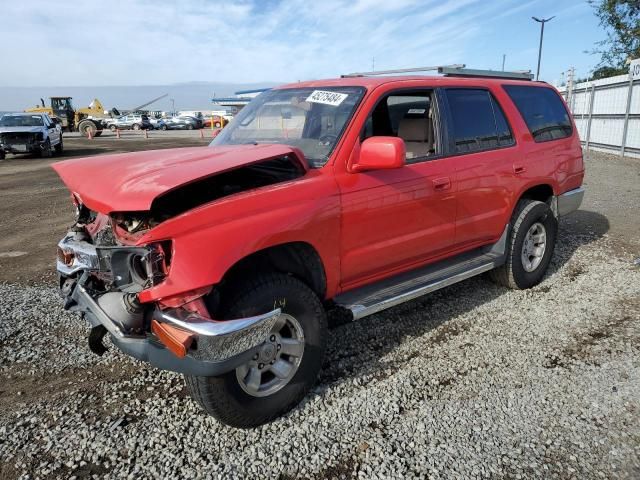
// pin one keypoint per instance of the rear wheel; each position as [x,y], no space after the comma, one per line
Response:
[287,364]
[189,126]
[113,128]
[529,247]
[136,126]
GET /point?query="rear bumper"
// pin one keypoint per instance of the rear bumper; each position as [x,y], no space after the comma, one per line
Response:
[569,201]
[219,346]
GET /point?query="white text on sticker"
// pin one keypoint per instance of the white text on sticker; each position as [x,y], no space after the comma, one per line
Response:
[327,98]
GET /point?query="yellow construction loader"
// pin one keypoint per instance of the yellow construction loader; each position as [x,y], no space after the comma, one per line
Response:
[91,119]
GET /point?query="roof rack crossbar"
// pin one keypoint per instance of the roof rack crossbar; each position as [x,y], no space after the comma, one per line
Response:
[468,72]
[403,70]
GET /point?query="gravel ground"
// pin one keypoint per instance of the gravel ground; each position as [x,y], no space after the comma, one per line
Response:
[472,381]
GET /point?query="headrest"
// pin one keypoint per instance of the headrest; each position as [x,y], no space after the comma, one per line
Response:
[413,129]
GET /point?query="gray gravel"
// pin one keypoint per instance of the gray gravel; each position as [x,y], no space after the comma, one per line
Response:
[472,381]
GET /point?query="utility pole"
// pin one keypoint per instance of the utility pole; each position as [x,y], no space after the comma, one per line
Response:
[542,22]
[570,79]
[373,64]
[504,57]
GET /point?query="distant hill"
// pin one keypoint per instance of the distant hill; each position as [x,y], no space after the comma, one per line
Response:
[187,96]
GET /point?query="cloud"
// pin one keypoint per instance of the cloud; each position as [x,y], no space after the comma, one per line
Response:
[142,42]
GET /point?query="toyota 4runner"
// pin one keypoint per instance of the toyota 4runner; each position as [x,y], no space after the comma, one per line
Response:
[353,194]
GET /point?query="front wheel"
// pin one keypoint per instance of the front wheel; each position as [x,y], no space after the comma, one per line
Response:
[529,247]
[285,367]
[59,147]
[136,126]
[45,149]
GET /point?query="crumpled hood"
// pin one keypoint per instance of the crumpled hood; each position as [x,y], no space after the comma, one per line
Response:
[21,129]
[127,182]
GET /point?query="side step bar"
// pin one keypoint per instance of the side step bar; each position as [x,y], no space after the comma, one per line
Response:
[406,286]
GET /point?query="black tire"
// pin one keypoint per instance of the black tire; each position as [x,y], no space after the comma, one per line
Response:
[217,125]
[2,155]
[163,127]
[86,126]
[45,150]
[223,396]
[136,126]
[98,133]
[513,273]
[189,126]
[59,147]
[113,128]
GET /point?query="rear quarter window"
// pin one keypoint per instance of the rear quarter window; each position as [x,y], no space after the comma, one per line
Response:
[542,110]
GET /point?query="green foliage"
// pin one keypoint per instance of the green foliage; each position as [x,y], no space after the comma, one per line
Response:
[621,19]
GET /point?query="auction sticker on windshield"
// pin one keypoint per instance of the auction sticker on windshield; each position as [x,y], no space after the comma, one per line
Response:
[327,98]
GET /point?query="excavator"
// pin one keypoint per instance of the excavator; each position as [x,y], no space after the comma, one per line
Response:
[86,120]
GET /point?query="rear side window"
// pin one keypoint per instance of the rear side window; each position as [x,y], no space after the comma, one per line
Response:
[477,121]
[542,110]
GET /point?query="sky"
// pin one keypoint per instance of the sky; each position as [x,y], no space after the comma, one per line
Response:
[155,42]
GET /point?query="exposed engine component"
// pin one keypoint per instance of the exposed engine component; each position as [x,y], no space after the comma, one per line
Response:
[124,309]
[200,192]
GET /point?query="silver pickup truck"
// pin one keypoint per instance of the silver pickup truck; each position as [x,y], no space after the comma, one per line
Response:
[29,133]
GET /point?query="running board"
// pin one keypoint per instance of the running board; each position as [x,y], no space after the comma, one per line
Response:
[406,286]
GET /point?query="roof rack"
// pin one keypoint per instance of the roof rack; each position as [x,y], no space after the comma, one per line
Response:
[468,72]
[402,70]
[454,70]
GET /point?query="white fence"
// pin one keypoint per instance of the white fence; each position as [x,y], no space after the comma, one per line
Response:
[607,114]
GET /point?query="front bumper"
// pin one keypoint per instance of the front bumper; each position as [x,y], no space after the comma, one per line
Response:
[21,147]
[217,347]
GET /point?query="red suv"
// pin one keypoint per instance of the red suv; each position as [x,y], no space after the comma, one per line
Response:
[353,194]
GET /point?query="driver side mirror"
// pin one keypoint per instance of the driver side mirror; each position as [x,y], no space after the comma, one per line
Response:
[380,153]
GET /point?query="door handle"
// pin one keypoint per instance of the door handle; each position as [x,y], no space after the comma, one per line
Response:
[440,184]
[518,169]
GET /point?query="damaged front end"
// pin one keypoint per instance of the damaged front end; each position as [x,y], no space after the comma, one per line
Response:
[101,279]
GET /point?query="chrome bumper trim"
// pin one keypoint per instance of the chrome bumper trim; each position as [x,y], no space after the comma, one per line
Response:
[219,340]
[570,201]
[213,328]
[216,340]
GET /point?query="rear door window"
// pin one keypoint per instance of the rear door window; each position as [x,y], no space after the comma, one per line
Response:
[476,121]
[542,110]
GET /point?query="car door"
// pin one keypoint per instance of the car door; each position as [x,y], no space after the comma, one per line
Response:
[54,134]
[482,146]
[393,220]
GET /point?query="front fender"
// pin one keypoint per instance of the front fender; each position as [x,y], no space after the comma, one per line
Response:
[210,239]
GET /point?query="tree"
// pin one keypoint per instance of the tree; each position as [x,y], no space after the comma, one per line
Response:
[621,19]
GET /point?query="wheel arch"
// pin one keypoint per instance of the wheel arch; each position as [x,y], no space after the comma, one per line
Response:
[543,192]
[299,259]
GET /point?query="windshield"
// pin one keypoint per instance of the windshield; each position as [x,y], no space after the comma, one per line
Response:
[311,119]
[21,121]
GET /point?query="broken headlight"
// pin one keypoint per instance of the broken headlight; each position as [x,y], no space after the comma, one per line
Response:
[133,269]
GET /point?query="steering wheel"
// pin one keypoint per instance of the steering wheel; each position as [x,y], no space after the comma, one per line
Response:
[327,138]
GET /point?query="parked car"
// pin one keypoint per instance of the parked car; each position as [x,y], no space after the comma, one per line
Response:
[217,120]
[158,123]
[130,122]
[182,123]
[30,133]
[350,195]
